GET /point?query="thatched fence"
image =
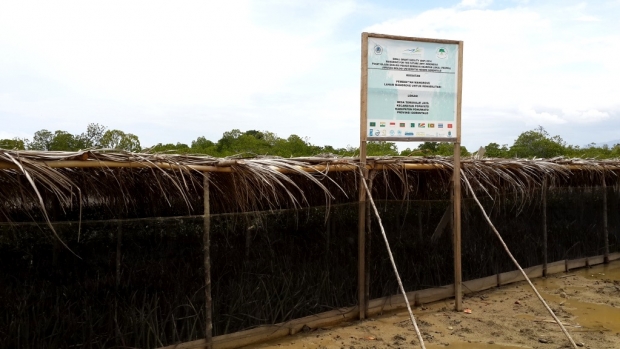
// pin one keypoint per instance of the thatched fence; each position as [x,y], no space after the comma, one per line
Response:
[125,249]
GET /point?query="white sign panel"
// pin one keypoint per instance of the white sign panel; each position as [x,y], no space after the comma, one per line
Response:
[412,90]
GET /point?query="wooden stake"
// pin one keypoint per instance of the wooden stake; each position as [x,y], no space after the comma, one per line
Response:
[119,243]
[361,244]
[544,226]
[206,240]
[456,230]
[458,275]
[605,226]
[371,176]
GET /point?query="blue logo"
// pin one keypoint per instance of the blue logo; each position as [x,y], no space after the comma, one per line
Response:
[391,132]
[378,49]
[440,125]
[399,132]
[408,133]
[370,133]
[449,133]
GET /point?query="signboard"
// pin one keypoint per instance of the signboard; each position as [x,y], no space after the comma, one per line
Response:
[412,88]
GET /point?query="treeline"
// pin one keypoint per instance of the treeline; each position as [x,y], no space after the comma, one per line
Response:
[534,143]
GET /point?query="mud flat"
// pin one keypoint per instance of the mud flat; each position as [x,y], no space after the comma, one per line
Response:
[586,300]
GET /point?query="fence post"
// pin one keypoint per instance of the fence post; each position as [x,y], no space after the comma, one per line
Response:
[544,221]
[456,242]
[605,226]
[206,240]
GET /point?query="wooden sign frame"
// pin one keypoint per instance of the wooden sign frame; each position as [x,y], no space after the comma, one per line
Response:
[456,178]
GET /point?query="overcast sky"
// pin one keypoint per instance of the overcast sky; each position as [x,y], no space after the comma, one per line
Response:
[176,70]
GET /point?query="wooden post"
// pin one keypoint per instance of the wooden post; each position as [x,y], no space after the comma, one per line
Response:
[458,275]
[361,251]
[371,177]
[206,241]
[456,230]
[119,243]
[544,226]
[605,226]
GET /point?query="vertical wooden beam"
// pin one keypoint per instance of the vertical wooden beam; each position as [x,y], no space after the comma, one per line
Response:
[119,244]
[605,225]
[206,241]
[361,251]
[456,244]
[544,226]
[371,176]
[458,275]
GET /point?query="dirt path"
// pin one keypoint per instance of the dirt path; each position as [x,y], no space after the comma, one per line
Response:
[587,301]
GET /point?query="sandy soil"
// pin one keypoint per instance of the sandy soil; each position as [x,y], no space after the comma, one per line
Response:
[587,301]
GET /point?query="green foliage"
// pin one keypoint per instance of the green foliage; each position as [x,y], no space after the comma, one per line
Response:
[116,139]
[493,150]
[381,148]
[434,148]
[13,144]
[538,143]
[534,143]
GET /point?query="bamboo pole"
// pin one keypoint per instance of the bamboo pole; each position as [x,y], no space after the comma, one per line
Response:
[605,225]
[206,240]
[544,226]
[456,230]
[339,167]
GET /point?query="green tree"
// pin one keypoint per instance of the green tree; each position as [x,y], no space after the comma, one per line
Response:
[203,146]
[92,137]
[179,148]
[41,140]
[116,139]
[381,148]
[493,150]
[13,144]
[537,143]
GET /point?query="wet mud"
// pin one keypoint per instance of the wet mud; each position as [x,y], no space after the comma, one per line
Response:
[587,301]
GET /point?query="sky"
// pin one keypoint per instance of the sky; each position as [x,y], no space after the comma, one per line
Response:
[172,71]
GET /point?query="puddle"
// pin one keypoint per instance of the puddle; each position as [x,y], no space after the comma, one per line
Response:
[456,345]
[590,313]
[601,272]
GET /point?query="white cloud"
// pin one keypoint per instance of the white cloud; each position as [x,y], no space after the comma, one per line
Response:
[532,117]
[155,52]
[516,58]
[475,3]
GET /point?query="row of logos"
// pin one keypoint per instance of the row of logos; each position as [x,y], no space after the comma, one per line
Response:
[411,125]
[401,133]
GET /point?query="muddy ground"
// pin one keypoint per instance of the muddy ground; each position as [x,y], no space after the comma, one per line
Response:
[586,300]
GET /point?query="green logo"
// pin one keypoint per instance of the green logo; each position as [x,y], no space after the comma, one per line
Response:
[373,124]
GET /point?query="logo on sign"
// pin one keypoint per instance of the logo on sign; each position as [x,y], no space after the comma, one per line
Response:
[413,124]
[378,49]
[392,124]
[399,132]
[370,133]
[421,125]
[431,125]
[382,124]
[372,123]
[440,125]
[402,124]
[442,53]
[377,133]
[449,133]
[449,125]
[391,132]
[414,51]
[408,133]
